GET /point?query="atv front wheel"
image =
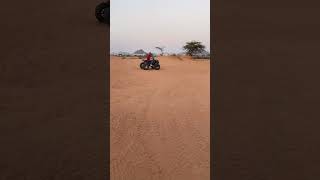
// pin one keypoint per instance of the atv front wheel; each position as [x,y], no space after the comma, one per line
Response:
[157,67]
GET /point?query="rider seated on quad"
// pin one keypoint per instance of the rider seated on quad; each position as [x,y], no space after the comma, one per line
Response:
[149,56]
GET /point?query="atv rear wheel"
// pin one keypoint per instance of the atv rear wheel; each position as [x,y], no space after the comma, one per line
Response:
[142,65]
[102,12]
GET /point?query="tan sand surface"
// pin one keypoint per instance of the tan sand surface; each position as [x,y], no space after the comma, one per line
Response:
[160,120]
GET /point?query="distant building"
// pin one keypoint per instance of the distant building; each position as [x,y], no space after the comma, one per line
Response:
[139,52]
[123,54]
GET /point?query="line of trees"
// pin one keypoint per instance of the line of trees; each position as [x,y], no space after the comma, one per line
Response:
[191,48]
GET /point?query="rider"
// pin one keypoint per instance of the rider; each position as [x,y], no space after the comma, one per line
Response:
[149,56]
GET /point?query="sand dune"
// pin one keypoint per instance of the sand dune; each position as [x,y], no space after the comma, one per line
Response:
[160,120]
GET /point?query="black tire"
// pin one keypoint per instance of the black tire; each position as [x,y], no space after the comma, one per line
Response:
[142,65]
[145,67]
[157,67]
[102,12]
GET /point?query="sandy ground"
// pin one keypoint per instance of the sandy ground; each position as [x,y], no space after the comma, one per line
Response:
[160,120]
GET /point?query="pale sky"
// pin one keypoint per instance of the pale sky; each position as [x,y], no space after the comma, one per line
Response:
[145,24]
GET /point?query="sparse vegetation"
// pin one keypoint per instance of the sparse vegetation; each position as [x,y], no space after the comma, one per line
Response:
[161,50]
[193,47]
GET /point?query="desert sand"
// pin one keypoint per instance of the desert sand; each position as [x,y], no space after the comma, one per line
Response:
[160,120]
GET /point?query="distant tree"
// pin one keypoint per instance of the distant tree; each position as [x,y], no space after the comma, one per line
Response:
[193,47]
[161,49]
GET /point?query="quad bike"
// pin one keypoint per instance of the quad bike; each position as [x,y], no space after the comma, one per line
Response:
[102,12]
[153,65]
